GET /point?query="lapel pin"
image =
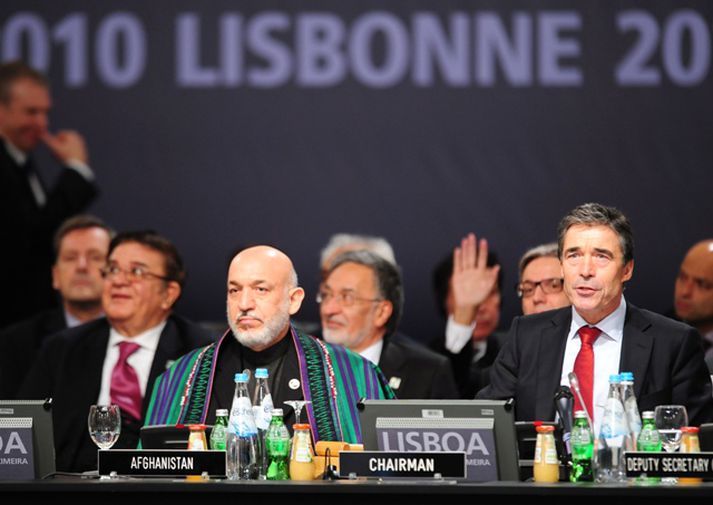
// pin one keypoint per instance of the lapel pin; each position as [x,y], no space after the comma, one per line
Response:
[395,382]
[294,384]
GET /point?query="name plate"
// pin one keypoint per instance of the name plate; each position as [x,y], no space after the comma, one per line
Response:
[674,464]
[16,454]
[402,464]
[161,463]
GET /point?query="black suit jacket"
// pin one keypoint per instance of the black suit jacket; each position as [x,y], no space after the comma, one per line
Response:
[664,355]
[19,345]
[69,370]
[421,373]
[28,259]
[470,376]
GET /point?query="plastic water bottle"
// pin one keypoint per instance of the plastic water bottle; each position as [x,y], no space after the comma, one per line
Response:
[242,434]
[262,411]
[613,438]
[630,407]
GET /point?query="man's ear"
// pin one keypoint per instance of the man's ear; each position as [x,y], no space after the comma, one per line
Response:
[171,294]
[296,296]
[55,277]
[628,271]
[383,313]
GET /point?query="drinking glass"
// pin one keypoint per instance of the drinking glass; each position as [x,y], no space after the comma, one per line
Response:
[104,424]
[669,420]
[297,406]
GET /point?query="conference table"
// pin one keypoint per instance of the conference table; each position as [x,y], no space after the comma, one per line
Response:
[171,491]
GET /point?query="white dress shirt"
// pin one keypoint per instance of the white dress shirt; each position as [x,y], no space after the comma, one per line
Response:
[458,335]
[607,352]
[141,360]
[373,352]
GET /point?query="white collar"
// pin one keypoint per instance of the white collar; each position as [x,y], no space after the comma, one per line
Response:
[611,326]
[373,352]
[15,153]
[147,340]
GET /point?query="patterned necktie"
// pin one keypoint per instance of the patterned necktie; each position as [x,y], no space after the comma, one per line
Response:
[125,390]
[584,367]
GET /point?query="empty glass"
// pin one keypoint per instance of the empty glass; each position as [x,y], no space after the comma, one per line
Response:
[104,424]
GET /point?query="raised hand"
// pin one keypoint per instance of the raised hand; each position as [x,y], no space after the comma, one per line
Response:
[472,280]
[67,145]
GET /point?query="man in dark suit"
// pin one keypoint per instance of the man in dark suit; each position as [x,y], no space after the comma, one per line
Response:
[30,213]
[80,245]
[467,285]
[117,358]
[360,303]
[601,334]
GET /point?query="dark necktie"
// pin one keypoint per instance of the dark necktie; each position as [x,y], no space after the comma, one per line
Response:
[125,390]
[584,366]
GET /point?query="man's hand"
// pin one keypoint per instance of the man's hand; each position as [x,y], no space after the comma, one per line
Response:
[67,145]
[472,280]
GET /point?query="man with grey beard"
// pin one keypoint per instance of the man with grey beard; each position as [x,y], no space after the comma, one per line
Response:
[262,295]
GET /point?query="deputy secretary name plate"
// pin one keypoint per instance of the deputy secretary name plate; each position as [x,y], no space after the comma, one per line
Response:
[161,463]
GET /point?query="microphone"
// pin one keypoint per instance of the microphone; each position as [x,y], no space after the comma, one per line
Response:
[574,383]
[564,403]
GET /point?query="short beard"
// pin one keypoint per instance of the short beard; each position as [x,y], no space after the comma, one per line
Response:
[262,338]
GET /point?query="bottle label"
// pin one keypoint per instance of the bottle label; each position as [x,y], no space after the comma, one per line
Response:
[263,413]
[551,456]
[241,418]
[303,455]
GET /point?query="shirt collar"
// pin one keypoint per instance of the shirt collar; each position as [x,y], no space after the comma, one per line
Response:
[611,326]
[147,340]
[373,352]
[15,153]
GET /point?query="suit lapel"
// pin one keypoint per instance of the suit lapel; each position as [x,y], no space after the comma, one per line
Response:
[553,340]
[636,347]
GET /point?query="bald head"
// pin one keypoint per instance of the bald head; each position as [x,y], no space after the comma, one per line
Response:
[693,298]
[262,295]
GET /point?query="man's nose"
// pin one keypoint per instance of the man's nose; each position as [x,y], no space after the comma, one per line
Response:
[538,296]
[246,300]
[685,286]
[82,262]
[329,306]
[586,268]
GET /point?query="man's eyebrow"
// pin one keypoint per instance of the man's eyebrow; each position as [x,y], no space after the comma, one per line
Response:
[604,251]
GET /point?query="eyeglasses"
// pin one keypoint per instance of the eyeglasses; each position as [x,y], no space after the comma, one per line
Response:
[527,289]
[345,298]
[133,274]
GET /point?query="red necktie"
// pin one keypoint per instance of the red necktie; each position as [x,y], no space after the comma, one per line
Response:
[125,390]
[584,366]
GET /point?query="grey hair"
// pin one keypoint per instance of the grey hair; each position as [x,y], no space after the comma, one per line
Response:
[388,280]
[377,245]
[549,250]
[292,281]
[596,214]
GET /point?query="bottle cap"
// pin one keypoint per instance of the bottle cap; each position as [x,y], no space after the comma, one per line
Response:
[196,427]
[614,378]
[261,373]
[221,413]
[648,414]
[302,426]
[627,376]
[241,377]
[277,412]
[579,414]
[545,428]
[690,429]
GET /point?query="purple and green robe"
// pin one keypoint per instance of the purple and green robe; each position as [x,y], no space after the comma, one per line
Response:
[333,379]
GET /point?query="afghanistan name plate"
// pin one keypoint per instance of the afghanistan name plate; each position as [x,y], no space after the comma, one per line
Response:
[161,463]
